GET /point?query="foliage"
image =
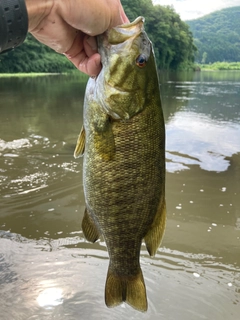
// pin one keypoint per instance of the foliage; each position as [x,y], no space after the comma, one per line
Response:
[217,36]
[221,66]
[33,56]
[171,37]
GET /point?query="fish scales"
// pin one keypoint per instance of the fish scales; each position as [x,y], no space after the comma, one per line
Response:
[124,161]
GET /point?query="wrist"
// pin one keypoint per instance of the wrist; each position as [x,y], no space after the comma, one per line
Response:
[37,11]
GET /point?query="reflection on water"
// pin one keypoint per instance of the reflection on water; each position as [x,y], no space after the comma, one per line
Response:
[50,297]
[214,141]
[207,112]
[49,271]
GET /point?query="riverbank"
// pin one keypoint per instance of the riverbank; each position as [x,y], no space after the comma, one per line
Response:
[218,66]
[82,77]
[43,74]
[7,75]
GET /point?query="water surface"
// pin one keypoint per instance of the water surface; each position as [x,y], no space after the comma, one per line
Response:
[49,271]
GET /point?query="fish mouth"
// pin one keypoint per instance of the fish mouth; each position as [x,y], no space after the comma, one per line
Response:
[131,27]
[123,32]
[119,36]
[120,33]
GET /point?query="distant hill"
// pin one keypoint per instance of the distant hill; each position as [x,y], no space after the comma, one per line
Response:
[217,36]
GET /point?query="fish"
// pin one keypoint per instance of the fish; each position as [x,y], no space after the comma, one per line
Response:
[122,142]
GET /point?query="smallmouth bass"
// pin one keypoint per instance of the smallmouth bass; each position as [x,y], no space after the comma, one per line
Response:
[123,142]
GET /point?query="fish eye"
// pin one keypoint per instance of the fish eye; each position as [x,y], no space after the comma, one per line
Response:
[141,61]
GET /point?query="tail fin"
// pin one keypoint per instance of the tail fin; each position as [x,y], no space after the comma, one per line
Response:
[129,289]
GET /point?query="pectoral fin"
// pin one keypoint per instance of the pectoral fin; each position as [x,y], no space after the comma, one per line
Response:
[89,228]
[104,139]
[154,236]
[80,146]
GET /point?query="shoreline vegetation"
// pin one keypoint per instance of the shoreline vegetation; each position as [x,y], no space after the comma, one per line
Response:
[44,74]
[216,66]
[30,74]
[219,66]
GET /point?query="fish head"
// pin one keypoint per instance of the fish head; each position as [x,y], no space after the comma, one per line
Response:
[128,65]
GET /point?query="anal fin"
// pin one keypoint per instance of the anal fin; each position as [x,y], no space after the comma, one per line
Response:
[89,228]
[129,289]
[154,236]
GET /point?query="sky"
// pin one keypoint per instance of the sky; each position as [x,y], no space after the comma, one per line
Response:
[193,9]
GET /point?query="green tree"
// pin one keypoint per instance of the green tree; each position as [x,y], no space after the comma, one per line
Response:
[171,37]
[32,56]
[204,57]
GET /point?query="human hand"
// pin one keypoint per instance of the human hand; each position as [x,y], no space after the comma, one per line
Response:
[70,27]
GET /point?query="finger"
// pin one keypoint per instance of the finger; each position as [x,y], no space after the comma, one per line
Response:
[123,16]
[91,66]
[83,54]
[90,45]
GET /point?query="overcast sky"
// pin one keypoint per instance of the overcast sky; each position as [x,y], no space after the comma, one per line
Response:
[193,9]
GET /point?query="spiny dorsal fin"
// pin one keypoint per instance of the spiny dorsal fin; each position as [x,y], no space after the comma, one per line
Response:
[80,146]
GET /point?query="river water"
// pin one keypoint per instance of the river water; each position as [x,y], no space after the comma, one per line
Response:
[49,271]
